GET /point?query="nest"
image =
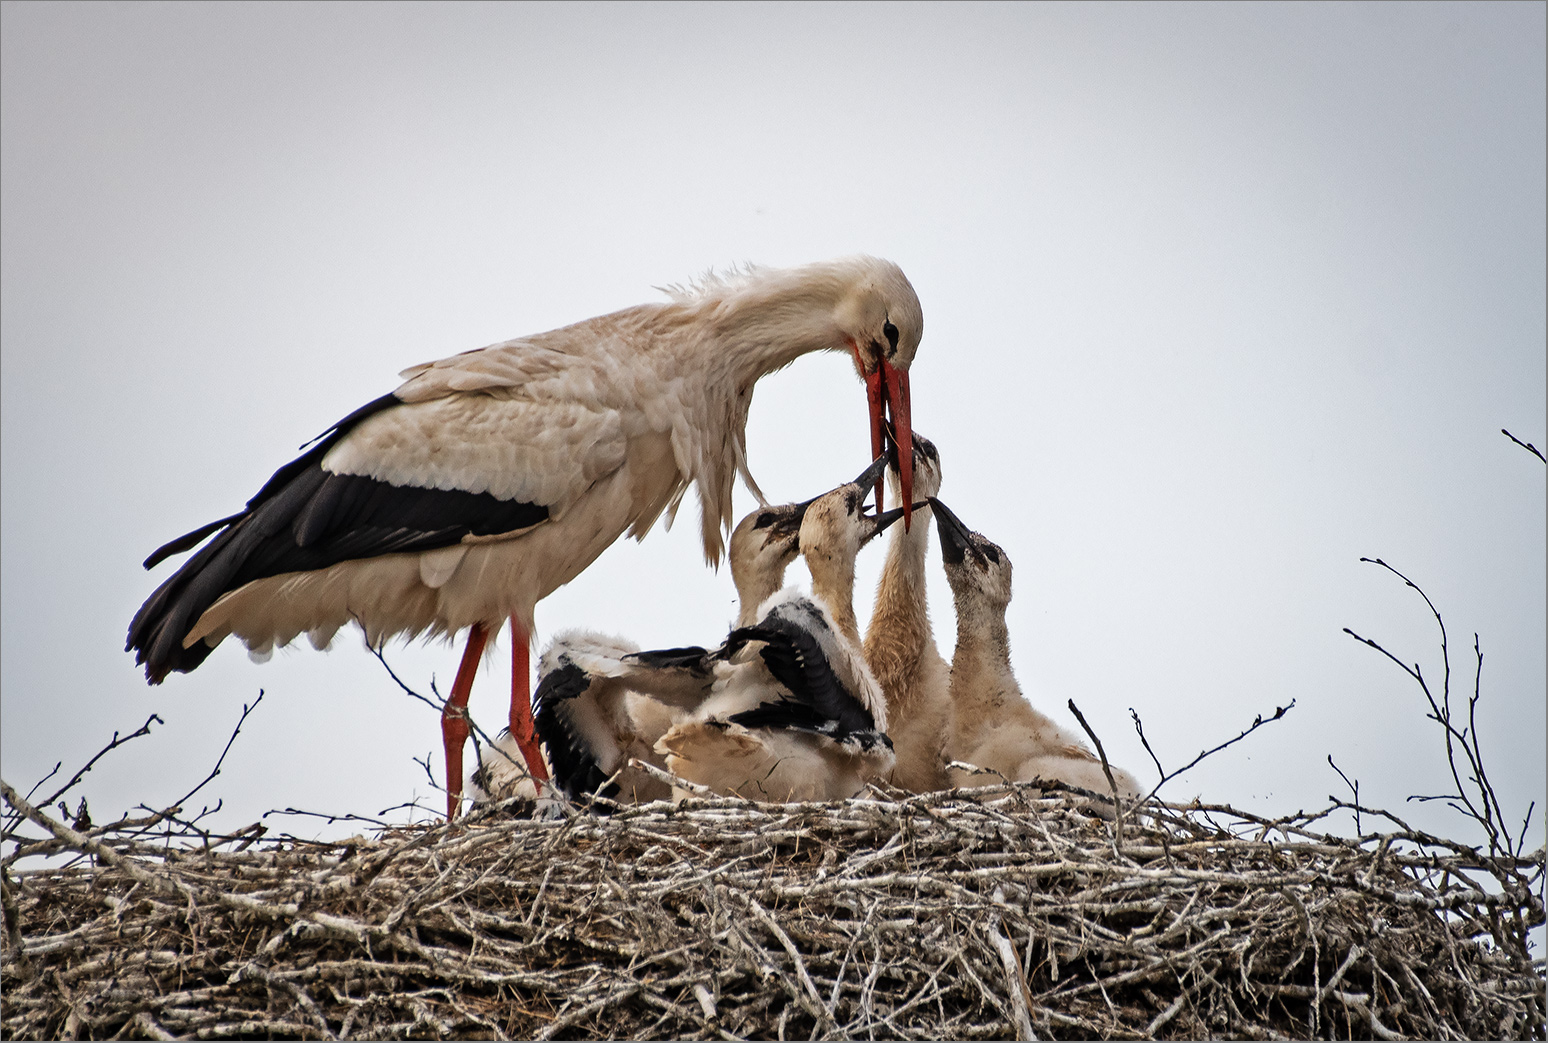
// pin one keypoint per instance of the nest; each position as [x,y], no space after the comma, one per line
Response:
[1008,911]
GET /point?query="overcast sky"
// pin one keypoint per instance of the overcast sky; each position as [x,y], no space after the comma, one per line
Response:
[1218,299]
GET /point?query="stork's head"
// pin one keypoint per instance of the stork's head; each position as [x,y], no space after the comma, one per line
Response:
[927,467]
[881,322]
[763,544]
[978,570]
[836,525]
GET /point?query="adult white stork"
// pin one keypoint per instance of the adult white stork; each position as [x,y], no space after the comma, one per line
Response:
[489,479]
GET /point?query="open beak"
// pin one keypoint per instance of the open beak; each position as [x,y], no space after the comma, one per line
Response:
[884,519]
[887,389]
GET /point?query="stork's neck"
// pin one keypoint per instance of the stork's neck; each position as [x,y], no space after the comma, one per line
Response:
[982,637]
[753,591]
[763,331]
[734,339]
[833,583]
[905,567]
[900,619]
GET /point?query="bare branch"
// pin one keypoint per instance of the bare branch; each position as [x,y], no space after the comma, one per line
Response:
[113,744]
[1485,810]
[246,709]
[1354,787]
[1106,770]
[1528,446]
[1257,722]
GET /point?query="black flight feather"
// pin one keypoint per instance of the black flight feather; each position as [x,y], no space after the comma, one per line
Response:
[305,518]
[576,770]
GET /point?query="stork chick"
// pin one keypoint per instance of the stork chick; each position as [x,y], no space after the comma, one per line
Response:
[900,644]
[795,713]
[601,701]
[994,726]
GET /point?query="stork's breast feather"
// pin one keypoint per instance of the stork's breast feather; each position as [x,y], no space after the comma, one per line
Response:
[539,452]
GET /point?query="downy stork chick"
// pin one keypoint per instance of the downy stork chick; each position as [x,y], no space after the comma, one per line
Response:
[900,644]
[592,717]
[795,713]
[993,724]
[501,774]
[491,478]
[763,545]
[601,701]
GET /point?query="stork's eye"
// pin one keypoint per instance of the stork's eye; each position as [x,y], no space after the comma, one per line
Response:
[764,520]
[891,332]
[992,553]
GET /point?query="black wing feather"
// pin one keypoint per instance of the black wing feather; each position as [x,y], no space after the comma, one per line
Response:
[692,658]
[795,658]
[576,770]
[786,715]
[305,518]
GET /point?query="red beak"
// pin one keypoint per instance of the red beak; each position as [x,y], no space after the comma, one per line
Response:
[886,388]
[896,382]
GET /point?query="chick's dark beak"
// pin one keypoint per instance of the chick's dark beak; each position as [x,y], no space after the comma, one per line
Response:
[873,475]
[884,519]
[954,535]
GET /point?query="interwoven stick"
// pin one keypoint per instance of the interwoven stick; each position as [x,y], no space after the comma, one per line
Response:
[1003,911]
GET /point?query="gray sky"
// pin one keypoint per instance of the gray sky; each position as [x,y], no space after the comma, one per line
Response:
[1218,299]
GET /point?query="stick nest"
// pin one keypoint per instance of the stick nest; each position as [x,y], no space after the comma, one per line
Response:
[1004,912]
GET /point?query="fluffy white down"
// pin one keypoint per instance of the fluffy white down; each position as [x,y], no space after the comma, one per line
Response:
[616,722]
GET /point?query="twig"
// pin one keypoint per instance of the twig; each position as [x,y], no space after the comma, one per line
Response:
[1489,818]
[246,709]
[1528,446]
[1015,982]
[112,745]
[1354,787]
[1257,722]
[1106,770]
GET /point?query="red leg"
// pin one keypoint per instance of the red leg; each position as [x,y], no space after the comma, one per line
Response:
[454,720]
[521,702]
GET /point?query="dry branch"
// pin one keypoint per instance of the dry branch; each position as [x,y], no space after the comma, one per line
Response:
[999,912]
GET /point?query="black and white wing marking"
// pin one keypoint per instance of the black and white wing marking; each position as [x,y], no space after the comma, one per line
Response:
[679,677]
[786,715]
[558,707]
[304,518]
[798,640]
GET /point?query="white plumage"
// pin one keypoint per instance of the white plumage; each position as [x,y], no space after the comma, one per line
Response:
[490,478]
